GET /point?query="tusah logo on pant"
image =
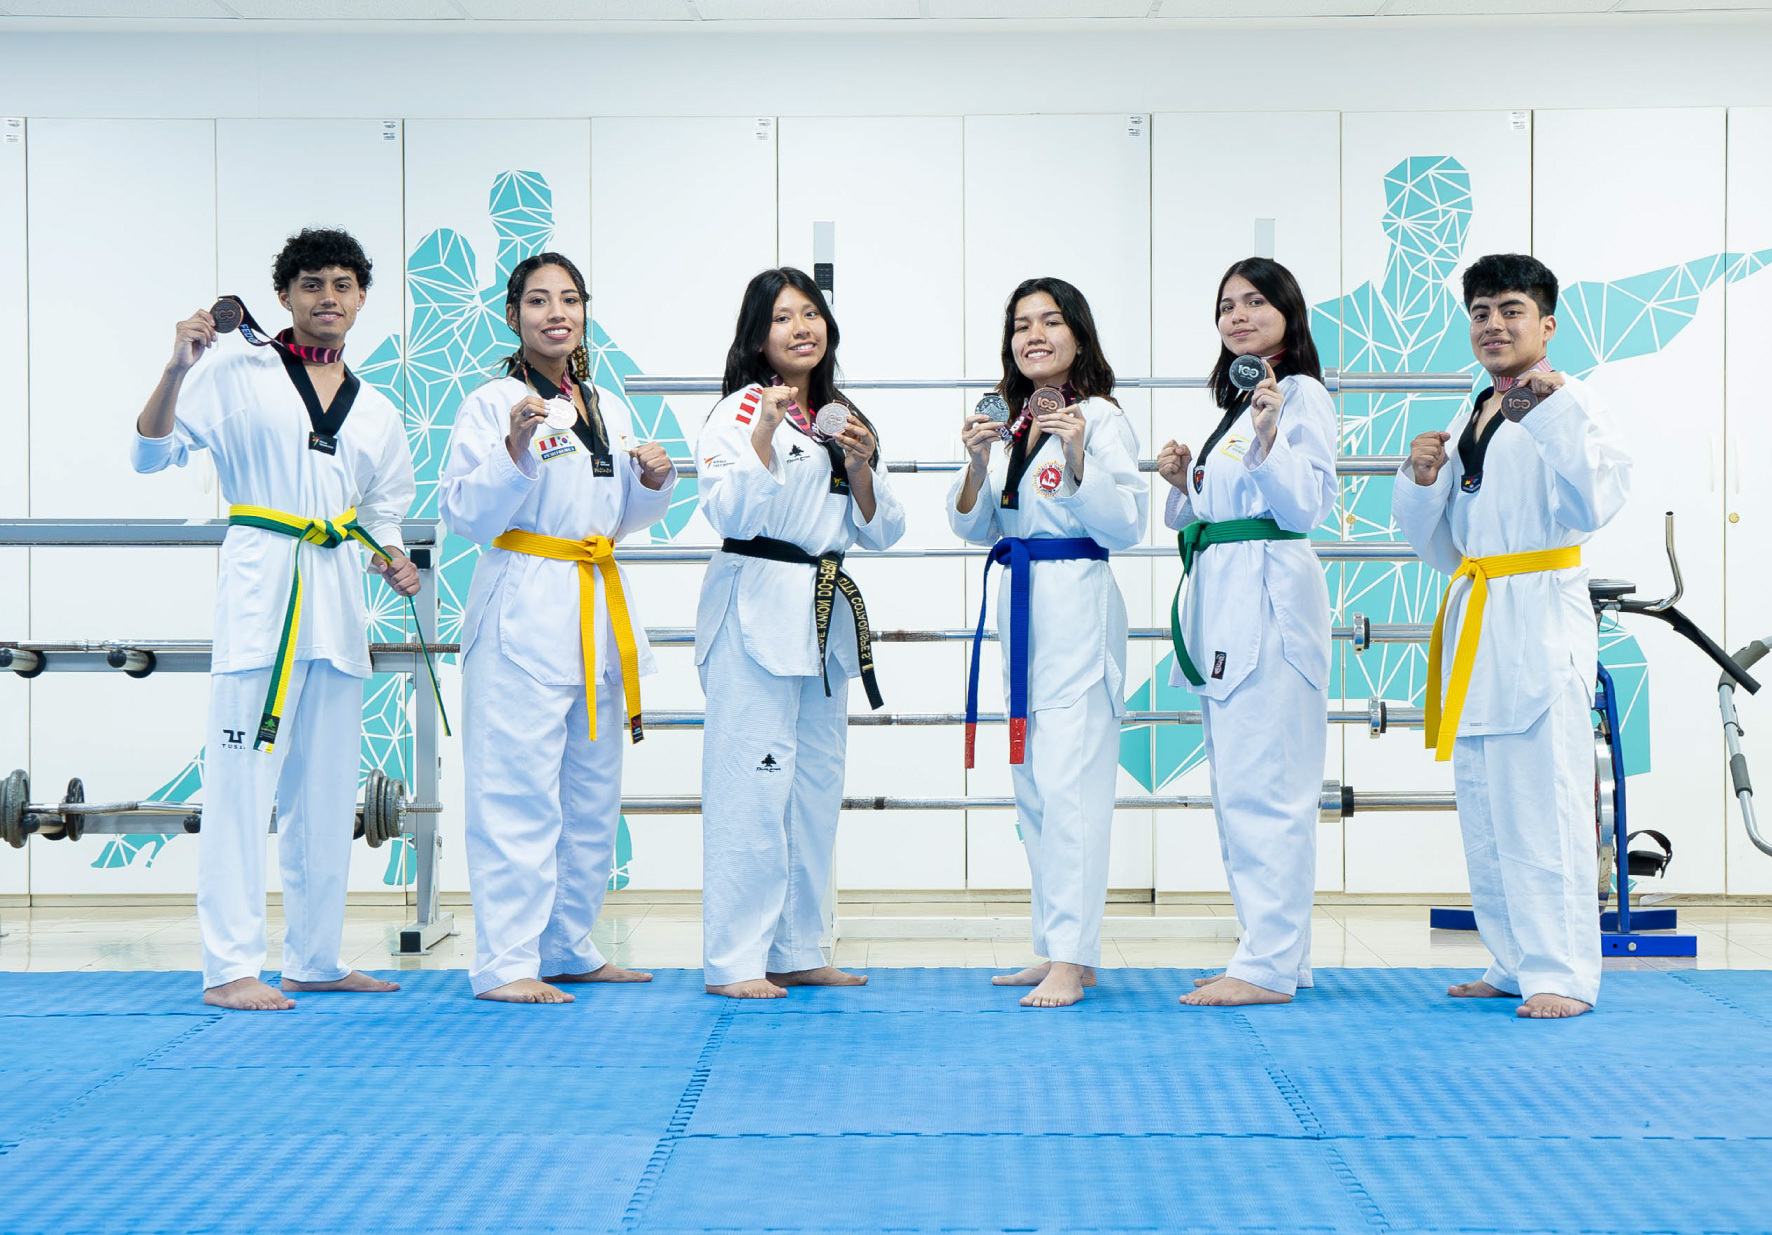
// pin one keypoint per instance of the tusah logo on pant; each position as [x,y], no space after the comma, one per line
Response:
[1218,664]
[769,763]
[233,739]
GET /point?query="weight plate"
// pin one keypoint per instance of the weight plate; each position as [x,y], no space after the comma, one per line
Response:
[74,826]
[15,791]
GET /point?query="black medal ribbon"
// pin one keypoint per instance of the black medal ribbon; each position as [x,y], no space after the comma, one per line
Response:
[832,579]
[1473,449]
[324,423]
[1224,426]
[588,428]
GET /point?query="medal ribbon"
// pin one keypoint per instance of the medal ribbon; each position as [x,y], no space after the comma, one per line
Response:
[594,555]
[1190,541]
[328,534]
[1503,384]
[283,340]
[1019,553]
[1442,724]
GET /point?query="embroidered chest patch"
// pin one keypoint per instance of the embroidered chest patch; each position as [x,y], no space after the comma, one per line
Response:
[1234,447]
[556,444]
[1049,479]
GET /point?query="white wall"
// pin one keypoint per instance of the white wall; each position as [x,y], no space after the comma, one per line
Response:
[945,189]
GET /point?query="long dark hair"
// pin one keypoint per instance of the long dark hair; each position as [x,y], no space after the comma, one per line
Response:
[579,366]
[1091,375]
[1276,283]
[745,362]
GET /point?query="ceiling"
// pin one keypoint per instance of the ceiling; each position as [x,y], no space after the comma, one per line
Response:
[688,14]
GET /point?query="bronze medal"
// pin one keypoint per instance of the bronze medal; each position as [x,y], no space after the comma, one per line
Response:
[1046,400]
[1516,401]
[227,314]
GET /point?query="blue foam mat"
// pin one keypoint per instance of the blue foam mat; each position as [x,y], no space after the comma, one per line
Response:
[927,1101]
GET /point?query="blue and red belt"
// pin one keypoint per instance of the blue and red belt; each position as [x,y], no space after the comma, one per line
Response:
[1020,554]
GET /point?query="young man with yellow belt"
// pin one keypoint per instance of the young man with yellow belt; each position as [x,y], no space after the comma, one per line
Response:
[315,467]
[1533,470]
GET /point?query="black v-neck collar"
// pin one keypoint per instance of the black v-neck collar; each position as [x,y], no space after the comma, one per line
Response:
[324,423]
[1473,449]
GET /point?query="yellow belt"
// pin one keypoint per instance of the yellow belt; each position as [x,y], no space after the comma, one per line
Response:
[1442,729]
[328,534]
[593,554]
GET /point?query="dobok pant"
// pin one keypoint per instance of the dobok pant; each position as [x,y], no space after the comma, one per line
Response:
[771,788]
[1526,808]
[543,803]
[1266,744]
[312,776]
[1064,801]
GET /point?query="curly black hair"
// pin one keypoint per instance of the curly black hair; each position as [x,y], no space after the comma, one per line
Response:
[314,249]
[1511,272]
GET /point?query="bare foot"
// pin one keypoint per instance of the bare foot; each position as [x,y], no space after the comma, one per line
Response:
[1545,1006]
[1036,974]
[1061,987]
[751,988]
[1229,992]
[1477,990]
[1217,977]
[246,995]
[824,975]
[610,972]
[525,990]
[352,981]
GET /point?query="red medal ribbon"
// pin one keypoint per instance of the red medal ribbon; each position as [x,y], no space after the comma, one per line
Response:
[1503,384]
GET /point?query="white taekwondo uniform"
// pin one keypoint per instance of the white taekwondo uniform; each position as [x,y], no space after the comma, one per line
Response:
[1076,658]
[543,799]
[1255,620]
[240,404]
[773,742]
[1522,761]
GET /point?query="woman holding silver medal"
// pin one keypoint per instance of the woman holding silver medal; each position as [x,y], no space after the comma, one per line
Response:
[540,472]
[1252,638]
[1063,492]
[790,489]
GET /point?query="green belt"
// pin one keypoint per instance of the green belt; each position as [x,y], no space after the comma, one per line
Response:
[1195,537]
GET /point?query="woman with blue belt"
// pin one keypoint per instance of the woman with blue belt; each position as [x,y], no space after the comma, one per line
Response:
[1063,493]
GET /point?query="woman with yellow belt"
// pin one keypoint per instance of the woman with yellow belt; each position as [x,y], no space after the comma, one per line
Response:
[541,472]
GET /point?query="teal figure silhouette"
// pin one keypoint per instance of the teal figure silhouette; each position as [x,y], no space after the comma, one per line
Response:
[1413,319]
[457,338]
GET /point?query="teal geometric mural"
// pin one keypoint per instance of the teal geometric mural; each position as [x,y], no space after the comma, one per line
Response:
[1413,319]
[457,338]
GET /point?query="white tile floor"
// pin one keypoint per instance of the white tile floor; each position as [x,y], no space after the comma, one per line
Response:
[668,935]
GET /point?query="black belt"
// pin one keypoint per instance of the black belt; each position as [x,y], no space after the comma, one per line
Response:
[831,580]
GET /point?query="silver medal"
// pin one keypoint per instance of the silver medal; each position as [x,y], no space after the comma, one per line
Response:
[1247,372]
[562,415]
[996,408]
[832,419]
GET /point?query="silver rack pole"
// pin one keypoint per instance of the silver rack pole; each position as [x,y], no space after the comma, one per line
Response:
[1327,550]
[131,533]
[1346,465]
[1337,801]
[1380,716]
[1335,380]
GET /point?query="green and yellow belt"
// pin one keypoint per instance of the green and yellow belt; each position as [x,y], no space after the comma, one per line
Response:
[327,534]
[1191,540]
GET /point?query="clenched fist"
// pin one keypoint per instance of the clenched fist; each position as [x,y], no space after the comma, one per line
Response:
[1427,455]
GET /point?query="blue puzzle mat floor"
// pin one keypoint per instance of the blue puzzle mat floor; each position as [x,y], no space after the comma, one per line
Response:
[927,1101]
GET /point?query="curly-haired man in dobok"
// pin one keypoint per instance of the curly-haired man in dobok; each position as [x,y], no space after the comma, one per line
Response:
[316,470]
[1503,501]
